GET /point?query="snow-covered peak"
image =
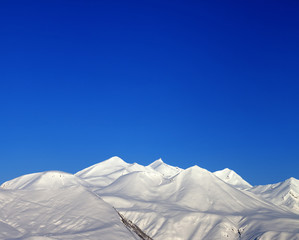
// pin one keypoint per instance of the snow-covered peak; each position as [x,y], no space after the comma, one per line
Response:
[104,173]
[196,169]
[114,161]
[103,168]
[166,170]
[293,181]
[231,177]
[44,180]
[284,193]
[192,175]
[157,163]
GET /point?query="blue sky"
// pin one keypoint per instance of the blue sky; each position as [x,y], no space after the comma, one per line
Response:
[211,83]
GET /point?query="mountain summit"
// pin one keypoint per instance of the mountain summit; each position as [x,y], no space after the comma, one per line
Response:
[231,177]
[285,193]
[44,180]
[166,170]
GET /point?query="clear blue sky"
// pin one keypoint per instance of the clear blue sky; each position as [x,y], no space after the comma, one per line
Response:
[211,83]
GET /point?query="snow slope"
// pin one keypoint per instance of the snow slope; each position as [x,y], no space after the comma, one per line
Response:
[232,178]
[55,205]
[166,170]
[45,180]
[113,199]
[283,194]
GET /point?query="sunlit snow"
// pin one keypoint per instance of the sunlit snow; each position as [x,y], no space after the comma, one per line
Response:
[162,201]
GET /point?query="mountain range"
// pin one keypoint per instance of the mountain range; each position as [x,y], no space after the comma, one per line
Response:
[118,200]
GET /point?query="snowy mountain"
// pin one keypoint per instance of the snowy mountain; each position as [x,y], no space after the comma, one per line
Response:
[195,204]
[69,212]
[166,170]
[232,178]
[106,172]
[283,194]
[45,180]
[117,200]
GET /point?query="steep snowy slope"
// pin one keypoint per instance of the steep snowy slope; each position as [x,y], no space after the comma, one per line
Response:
[232,178]
[283,194]
[166,170]
[55,205]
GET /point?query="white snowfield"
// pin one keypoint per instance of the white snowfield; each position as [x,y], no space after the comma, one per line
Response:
[164,202]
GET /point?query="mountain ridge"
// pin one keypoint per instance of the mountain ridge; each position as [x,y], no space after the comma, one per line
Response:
[162,201]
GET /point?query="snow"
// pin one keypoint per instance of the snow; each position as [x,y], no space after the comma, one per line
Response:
[64,213]
[166,170]
[194,204]
[104,168]
[283,194]
[232,178]
[44,180]
[165,202]
[106,172]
